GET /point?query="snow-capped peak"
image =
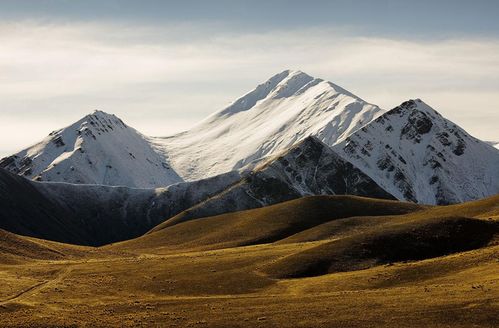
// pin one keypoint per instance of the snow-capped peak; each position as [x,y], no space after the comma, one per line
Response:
[278,86]
[98,112]
[416,154]
[97,149]
[416,104]
[277,114]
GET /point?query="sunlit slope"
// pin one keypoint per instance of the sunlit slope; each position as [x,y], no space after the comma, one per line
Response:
[352,233]
[18,249]
[271,118]
[264,225]
[225,287]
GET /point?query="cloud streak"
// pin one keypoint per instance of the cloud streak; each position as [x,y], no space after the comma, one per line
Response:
[164,79]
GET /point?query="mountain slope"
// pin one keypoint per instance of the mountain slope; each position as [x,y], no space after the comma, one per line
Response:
[27,211]
[104,214]
[111,213]
[308,168]
[98,149]
[92,214]
[417,155]
[493,143]
[277,114]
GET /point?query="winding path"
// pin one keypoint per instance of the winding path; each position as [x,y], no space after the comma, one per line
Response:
[58,277]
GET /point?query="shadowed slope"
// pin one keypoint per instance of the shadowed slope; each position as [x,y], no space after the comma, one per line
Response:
[94,214]
[483,208]
[26,211]
[410,241]
[97,215]
[359,244]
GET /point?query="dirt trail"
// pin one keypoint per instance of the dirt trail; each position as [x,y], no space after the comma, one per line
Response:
[58,277]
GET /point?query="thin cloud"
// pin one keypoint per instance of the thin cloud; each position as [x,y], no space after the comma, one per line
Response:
[182,73]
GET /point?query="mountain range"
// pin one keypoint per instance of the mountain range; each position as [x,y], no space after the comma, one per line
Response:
[411,152]
[98,214]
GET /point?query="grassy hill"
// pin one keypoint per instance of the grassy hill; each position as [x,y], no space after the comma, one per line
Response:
[261,225]
[19,249]
[311,262]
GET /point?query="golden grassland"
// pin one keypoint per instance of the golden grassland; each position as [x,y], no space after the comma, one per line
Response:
[346,266]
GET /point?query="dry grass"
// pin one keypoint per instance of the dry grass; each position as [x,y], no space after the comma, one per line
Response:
[231,287]
[261,225]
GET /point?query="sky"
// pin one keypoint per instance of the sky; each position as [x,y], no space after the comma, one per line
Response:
[162,66]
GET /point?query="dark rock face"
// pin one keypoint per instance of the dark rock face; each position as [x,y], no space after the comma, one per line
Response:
[7,161]
[418,123]
[58,141]
[15,165]
[320,171]
[460,147]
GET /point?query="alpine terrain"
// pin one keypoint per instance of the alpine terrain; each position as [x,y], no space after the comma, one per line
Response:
[411,151]
[277,114]
[98,149]
[101,149]
[97,214]
[417,155]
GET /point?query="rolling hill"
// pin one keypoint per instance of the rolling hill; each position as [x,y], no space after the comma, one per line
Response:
[263,225]
[412,266]
[17,249]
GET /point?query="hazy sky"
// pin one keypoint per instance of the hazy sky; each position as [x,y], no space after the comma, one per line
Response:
[164,65]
